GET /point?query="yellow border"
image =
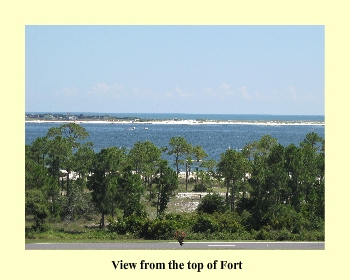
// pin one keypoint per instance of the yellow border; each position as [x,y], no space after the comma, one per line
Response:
[96,264]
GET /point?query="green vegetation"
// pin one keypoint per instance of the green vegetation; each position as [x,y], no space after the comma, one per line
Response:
[265,192]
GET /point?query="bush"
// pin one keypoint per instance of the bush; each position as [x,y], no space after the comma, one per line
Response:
[132,224]
[282,216]
[228,222]
[205,223]
[284,235]
[212,203]
[199,188]
[159,229]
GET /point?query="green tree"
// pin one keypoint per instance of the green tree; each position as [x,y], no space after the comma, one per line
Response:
[77,204]
[208,174]
[199,154]
[179,147]
[38,150]
[83,160]
[295,169]
[63,142]
[188,162]
[277,177]
[37,205]
[233,167]
[145,158]
[312,177]
[129,192]
[167,183]
[259,148]
[106,169]
[311,139]
[36,175]
[71,131]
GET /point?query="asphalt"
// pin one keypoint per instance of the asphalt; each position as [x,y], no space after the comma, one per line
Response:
[176,246]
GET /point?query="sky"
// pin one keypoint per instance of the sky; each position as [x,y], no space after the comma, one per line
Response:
[275,70]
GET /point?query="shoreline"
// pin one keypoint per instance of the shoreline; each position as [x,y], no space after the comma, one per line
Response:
[182,122]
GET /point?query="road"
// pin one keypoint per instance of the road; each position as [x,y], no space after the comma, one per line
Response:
[175,245]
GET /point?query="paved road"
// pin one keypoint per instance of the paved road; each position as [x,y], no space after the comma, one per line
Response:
[175,245]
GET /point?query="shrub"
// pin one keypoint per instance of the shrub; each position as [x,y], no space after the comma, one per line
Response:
[132,224]
[284,235]
[228,222]
[282,216]
[159,229]
[212,203]
[205,223]
[199,188]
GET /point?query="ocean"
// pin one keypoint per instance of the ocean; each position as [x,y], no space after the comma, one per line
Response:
[214,138]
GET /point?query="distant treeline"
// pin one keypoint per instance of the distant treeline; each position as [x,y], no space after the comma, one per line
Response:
[68,116]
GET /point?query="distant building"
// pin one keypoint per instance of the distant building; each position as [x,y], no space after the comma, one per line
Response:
[73,118]
[49,117]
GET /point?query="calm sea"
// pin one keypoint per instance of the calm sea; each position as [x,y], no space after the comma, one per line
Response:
[214,138]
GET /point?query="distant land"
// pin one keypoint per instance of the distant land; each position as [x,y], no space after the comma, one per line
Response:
[176,118]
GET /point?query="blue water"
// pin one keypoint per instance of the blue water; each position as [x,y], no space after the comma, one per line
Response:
[215,139]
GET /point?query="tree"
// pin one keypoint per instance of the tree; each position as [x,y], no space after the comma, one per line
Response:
[312,177]
[311,139]
[63,142]
[277,176]
[167,183]
[179,147]
[145,158]
[71,131]
[37,205]
[107,168]
[188,161]
[232,166]
[208,174]
[128,193]
[36,176]
[59,157]
[199,154]
[77,204]
[259,148]
[295,169]
[38,150]
[83,160]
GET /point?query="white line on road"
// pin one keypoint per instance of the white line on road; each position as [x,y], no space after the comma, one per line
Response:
[221,245]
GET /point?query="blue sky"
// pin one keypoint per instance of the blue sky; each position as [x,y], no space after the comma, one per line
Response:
[175,69]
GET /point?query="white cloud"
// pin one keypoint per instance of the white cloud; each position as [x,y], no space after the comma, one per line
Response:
[100,87]
[67,92]
[178,93]
[141,93]
[117,87]
[223,92]
[105,90]
[292,93]
[224,87]
[169,94]
[244,93]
